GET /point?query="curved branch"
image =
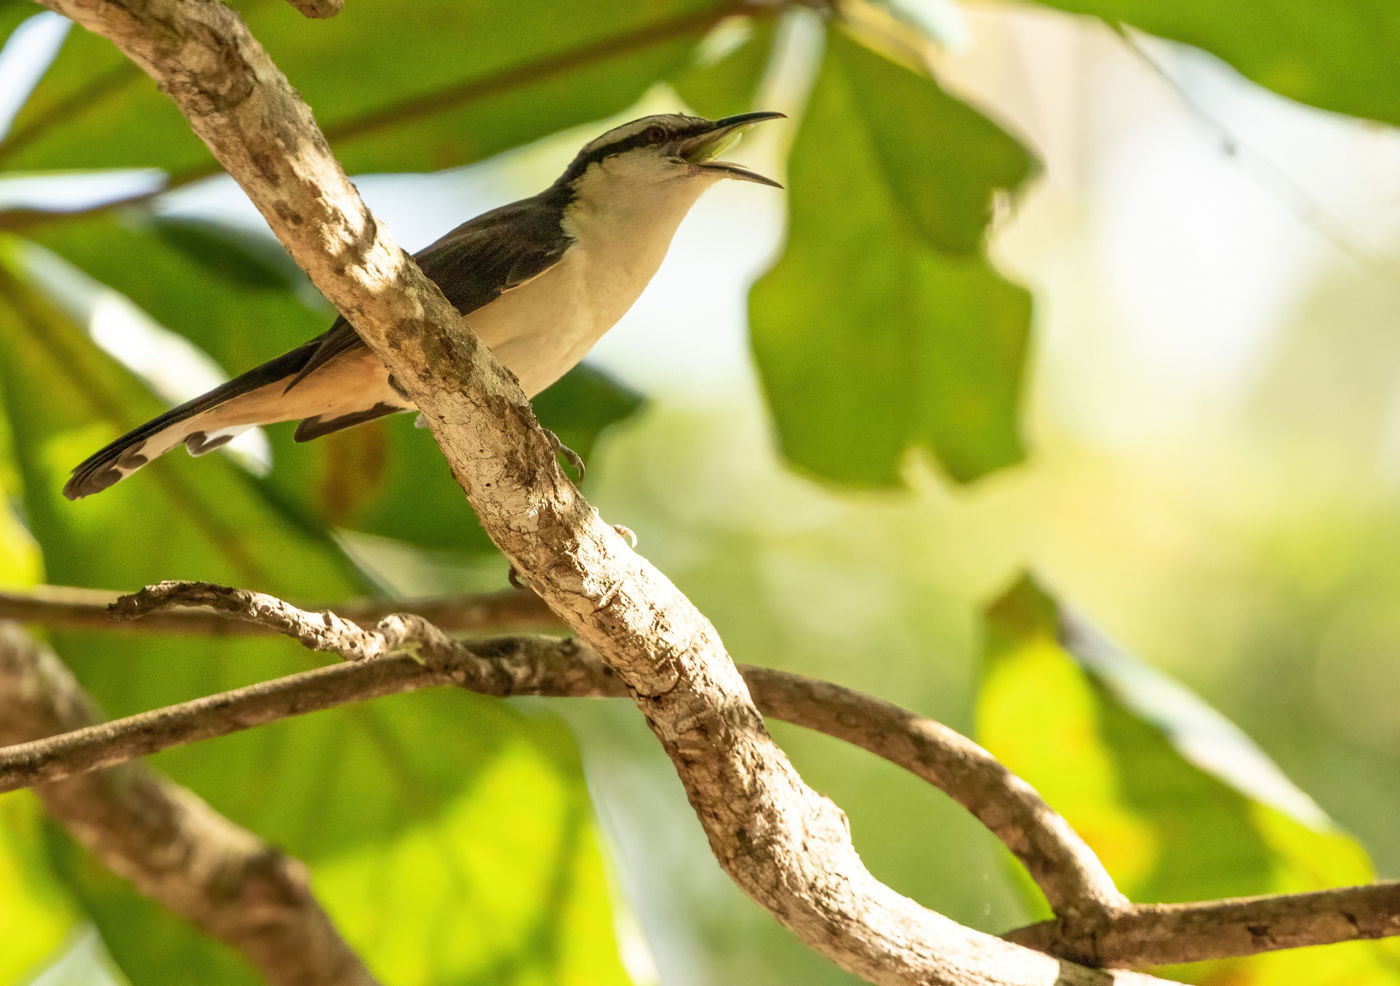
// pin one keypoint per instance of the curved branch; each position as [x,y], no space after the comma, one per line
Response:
[1066,870]
[785,845]
[171,845]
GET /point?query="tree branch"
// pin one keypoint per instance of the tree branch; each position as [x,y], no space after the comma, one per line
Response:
[172,846]
[1161,934]
[318,8]
[1096,925]
[782,843]
[91,609]
[1066,870]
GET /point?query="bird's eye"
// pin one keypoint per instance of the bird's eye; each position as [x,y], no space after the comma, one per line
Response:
[655,134]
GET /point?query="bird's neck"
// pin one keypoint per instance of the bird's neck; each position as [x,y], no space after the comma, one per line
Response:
[626,226]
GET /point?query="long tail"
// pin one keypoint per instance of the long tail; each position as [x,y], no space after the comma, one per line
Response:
[187,423]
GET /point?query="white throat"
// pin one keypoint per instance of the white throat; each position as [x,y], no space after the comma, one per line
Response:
[621,225]
[625,213]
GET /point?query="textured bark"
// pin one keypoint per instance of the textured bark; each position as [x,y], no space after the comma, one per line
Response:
[1159,934]
[172,846]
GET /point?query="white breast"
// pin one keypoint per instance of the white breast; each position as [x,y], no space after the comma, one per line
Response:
[541,329]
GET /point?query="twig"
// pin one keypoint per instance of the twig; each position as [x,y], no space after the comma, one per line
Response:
[74,607]
[1074,881]
[1064,868]
[1161,934]
[172,846]
[318,8]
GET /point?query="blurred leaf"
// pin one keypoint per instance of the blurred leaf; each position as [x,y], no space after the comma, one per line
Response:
[1169,827]
[507,894]
[450,839]
[242,258]
[724,72]
[164,266]
[1325,54]
[36,911]
[451,84]
[941,160]
[357,791]
[869,338]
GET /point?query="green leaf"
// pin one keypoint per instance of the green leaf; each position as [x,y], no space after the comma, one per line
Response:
[1177,803]
[241,257]
[870,337]
[724,72]
[35,909]
[437,86]
[449,838]
[941,161]
[1324,54]
[367,795]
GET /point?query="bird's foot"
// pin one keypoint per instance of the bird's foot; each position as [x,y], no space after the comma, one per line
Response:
[628,535]
[568,454]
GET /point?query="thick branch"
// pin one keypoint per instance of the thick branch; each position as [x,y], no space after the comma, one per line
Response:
[172,846]
[783,844]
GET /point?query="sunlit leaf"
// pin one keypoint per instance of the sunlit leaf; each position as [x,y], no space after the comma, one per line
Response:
[404,812]
[36,911]
[870,338]
[1325,54]
[1172,818]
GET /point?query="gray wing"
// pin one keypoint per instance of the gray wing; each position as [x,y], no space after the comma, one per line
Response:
[473,265]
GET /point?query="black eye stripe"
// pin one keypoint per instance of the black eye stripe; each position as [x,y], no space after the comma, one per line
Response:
[653,135]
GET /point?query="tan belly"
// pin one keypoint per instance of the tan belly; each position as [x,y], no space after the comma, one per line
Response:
[543,328]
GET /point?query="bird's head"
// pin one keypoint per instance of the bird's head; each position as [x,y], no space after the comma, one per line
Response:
[667,150]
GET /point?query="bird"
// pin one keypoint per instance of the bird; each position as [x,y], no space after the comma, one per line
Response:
[539,281]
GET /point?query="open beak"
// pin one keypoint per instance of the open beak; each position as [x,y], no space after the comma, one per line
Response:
[701,149]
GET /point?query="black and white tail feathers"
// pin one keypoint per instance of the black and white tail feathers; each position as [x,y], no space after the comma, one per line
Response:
[331,382]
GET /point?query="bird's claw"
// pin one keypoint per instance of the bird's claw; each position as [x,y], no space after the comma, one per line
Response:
[568,454]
